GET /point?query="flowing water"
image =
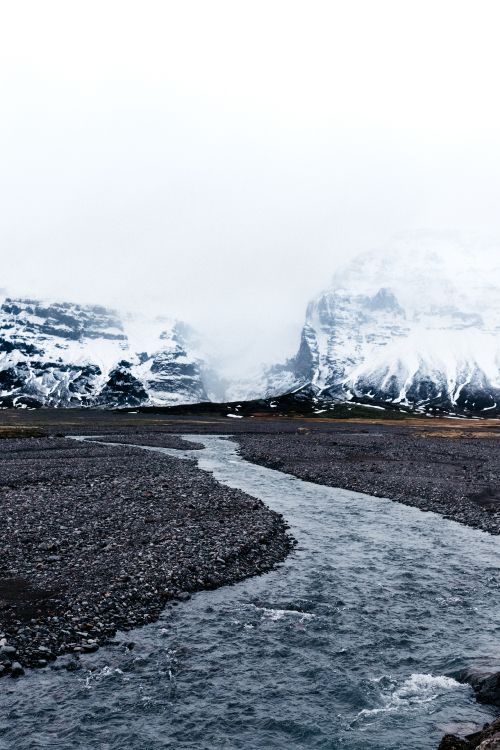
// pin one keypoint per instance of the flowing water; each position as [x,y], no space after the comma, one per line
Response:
[349,644]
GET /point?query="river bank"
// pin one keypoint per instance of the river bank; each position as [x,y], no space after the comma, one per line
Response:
[97,538]
[449,470]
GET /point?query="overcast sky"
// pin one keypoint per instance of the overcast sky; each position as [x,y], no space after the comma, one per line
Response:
[216,160]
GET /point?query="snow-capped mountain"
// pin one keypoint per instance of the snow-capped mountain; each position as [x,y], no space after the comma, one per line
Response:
[64,354]
[418,325]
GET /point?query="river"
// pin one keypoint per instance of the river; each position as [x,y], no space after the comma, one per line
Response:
[348,645]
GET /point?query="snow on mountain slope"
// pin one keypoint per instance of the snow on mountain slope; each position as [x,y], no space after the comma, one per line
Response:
[63,354]
[417,325]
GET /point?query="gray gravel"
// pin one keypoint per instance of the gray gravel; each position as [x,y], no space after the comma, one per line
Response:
[456,477]
[95,539]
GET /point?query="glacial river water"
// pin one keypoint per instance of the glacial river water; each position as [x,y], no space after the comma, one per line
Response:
[348,645]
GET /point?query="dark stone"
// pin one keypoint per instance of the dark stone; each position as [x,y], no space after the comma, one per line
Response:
[89,648]
[16,669]
[451,742]
[486,685]
[486,739]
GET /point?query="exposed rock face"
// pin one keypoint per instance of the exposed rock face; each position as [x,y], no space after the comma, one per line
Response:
[411,326]
[64,354]
[122,388]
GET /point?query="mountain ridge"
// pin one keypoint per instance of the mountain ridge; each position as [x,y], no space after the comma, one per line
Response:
[415,326]
[65,354]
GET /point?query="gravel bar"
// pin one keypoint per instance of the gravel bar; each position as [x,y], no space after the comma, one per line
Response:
[96,539]
[451,473]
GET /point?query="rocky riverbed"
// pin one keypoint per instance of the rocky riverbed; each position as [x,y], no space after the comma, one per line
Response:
[97,538]
[448,471]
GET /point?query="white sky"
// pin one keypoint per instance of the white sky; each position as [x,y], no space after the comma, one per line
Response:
[216,160]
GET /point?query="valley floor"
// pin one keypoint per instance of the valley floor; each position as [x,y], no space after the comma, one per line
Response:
[97,538]
[450,466]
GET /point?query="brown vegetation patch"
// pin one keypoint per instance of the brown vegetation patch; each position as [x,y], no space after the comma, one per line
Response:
[11,431]
[458,434]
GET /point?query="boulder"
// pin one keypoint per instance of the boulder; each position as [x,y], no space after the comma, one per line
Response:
[487,739]
[486,684]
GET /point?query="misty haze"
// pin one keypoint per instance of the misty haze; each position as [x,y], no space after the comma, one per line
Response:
[249,375]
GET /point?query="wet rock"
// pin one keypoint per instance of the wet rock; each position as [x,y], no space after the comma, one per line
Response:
[89,648]
[486,685]
[45,653]
[450,742]
[493,743]
[16,669]
[486,739]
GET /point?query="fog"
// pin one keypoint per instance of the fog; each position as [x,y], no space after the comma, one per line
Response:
[217,161]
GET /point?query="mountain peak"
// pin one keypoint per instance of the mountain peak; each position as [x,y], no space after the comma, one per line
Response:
[416,324]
